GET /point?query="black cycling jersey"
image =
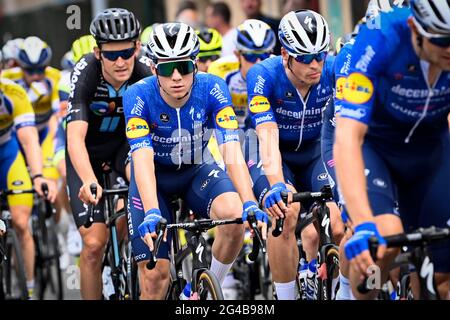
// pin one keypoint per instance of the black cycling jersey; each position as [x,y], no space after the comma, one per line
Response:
[94,100]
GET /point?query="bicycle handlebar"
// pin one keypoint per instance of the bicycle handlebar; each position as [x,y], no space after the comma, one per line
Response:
[324,195]
[90,215]
[416,238]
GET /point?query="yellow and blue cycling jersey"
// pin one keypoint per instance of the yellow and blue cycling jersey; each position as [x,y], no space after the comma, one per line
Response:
[44,103]
[44,97]
[15,112]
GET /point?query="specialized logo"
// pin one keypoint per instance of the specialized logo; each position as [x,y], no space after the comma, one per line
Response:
[199,251]
[226,118]
[340,84]
[358,88]
[259,104]
[137,128]
[427,271]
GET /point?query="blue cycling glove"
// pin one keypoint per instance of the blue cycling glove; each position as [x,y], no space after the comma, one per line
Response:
[359,242]
[151,219]
[274,194]
[259,214]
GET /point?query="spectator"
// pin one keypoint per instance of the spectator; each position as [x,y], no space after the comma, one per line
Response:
[188,13]
[252,10]
[294,5]
[218,16]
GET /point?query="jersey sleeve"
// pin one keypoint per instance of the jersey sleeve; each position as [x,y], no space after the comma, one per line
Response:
[225,121]
[259,89]
[23,113]
[83,83]
[369,57]
[137,117]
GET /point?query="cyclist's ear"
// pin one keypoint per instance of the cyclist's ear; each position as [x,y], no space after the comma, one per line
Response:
[97,53]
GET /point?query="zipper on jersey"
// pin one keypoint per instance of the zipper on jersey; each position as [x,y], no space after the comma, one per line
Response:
[179,137]
[303,115]
[425,70]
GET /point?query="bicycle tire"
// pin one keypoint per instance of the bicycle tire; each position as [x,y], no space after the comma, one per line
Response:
[325,286]
[14,252]
[55,268]
[207,283]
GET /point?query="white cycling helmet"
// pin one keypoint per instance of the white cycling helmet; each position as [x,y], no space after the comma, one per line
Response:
[304,32]
[254,35]
[173,41]
[11,48]
[432,14]
[34,53]
[67,61]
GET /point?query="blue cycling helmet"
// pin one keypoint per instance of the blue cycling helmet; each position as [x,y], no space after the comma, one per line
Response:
[254,35]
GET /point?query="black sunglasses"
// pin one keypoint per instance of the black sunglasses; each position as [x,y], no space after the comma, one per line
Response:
[114,55]
[184,67]
[33,71]
[212,57]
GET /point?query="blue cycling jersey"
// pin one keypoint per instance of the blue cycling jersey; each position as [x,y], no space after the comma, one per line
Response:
[387,85]
[179,136]
[273,98]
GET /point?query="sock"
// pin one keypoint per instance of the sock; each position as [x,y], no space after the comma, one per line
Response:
[286,290]
[219,269]
[30,287]
[344,288]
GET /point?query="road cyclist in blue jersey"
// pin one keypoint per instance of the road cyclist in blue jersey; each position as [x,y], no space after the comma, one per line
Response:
[392,143]
[170,118]
[286,97]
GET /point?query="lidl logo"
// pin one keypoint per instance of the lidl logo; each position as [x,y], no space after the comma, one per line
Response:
[226,118]
[137,128]
[358,88]
[259,104]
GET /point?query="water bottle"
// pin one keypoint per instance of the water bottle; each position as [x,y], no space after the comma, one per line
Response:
[311,280]
[302,275]
[186,293]
[108,287]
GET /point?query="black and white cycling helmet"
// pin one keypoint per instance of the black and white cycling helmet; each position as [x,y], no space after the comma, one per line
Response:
[115,24]
[254,35]
[173,41]
[432,14]
[34,53]
[304,32]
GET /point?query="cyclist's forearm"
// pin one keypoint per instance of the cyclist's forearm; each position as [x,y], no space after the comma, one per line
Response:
[237,170]
[79,157]
[145,179]
[349,164]
[29,139]
[269,151]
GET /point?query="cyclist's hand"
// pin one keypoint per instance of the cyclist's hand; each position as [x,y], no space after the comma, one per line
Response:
[261,218]
[273,203]
[357,248]
[51,196]
[147,229]
[85,193]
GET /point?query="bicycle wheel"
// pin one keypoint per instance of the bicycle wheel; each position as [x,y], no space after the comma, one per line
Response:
[208,287]
[13,269]
[52,262]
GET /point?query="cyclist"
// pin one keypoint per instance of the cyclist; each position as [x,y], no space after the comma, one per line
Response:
[286,97]
[41,83]
[254,42]
[343,55]
[17,124]
[168,117]
[96,126]
[10,51]
[402,69]
[210,47]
